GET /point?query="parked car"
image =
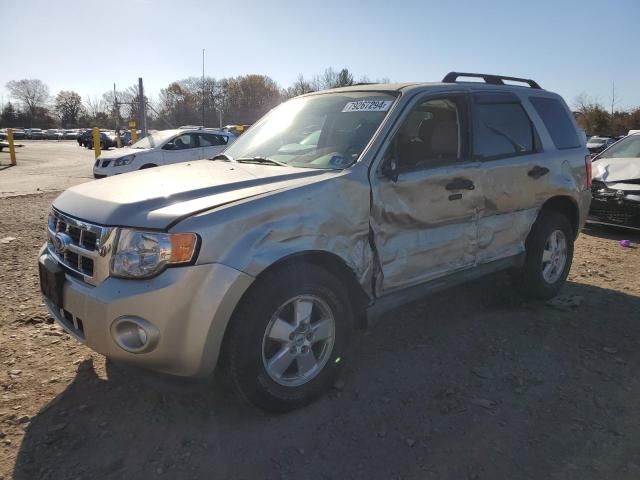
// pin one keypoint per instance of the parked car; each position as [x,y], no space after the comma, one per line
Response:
[264,263]
[598,144]
[237,129]
[616,184]
[108,139]
[19,134]
[36,134]
[84,136]
[70,134]
[163,148]
[126,137]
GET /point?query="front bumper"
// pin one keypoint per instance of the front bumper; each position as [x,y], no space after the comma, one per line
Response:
[615,207]
[189,306]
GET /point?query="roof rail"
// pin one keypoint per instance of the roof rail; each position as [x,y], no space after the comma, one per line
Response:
[452,77]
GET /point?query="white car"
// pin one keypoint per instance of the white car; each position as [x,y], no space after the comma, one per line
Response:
[163,148]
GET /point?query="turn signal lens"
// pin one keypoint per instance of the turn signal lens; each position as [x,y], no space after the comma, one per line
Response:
[183,246]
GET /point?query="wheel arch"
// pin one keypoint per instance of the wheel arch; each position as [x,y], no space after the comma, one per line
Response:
[322,259]
[567,206]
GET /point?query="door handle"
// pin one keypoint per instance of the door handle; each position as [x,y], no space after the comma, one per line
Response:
[460,184]
[538,171]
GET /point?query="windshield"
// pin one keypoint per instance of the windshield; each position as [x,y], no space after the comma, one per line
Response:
[628,147]
[154,140]
[320,131]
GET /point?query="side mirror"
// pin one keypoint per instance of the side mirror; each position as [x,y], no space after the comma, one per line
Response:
[390,169]
[169,146]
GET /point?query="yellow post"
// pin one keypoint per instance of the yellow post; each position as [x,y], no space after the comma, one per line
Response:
[12,147]
[134,131]
[96,141]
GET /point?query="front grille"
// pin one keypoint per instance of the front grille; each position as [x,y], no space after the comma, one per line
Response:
[608,205]
[621,213]
[81,254]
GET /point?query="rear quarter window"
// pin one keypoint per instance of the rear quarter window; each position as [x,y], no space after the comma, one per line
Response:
[557,122]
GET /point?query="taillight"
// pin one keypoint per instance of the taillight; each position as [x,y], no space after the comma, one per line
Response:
[588,170]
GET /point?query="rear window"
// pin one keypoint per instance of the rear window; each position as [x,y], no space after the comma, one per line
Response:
[501,127]
[557,121]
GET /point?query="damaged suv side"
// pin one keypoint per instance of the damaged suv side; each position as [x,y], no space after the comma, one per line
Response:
[333,208]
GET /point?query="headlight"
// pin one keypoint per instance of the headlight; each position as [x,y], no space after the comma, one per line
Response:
[126,160]
[141,254]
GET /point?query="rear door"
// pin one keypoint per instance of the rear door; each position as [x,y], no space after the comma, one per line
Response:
[182,148]
[212,143]
[515,171]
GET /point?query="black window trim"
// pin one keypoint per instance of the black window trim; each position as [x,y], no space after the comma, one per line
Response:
[465,130]
[514,99]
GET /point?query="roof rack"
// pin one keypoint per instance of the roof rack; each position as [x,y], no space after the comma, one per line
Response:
[452,77]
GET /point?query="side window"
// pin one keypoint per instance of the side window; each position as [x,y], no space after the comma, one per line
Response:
[212,140]
[557,122]
[502,128]
[185,141]
[431,134]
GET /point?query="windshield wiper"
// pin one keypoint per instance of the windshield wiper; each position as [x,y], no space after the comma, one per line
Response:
[264,160]
[223,156]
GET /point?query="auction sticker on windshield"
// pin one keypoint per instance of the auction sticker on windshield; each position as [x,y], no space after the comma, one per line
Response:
[368,106]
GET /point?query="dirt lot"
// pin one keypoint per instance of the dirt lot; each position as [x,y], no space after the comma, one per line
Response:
[475,383]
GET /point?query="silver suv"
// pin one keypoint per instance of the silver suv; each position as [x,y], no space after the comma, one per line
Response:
[333,208]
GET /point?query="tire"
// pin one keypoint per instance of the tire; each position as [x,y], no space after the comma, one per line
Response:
[535,279]
[148,165]
[248,361]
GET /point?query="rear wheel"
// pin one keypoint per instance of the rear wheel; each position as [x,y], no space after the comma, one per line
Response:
[148,165]
[549,250]
[288,338]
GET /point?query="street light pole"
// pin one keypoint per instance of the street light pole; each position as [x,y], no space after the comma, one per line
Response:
[203,87]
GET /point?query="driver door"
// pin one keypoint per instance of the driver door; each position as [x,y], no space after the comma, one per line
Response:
[182,148]
[424,215]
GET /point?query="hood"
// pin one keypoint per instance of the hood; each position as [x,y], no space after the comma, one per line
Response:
[616,169]
[121,152]
[158,197]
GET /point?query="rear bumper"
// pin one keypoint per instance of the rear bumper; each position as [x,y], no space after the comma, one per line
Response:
[189,307]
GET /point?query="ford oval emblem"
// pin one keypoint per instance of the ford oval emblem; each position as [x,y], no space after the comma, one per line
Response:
[61,242]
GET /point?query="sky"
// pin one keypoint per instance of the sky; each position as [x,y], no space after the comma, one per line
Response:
[568,46]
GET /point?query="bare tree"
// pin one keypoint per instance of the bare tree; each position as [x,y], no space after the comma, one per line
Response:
[31,92]
[68,107]
[329,78]
[94,106]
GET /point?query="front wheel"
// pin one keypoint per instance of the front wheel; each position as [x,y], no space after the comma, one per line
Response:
[549,250]
[288,338]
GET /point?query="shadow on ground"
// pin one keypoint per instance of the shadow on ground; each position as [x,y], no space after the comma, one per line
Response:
[474,383]
[611,233]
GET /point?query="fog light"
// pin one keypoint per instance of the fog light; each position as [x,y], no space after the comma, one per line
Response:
[135,334]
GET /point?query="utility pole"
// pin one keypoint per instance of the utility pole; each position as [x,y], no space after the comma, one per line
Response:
[116,113]
[613,97]
[203,87]
[143,108]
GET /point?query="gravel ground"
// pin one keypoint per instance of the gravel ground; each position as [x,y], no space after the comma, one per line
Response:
[474,383]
